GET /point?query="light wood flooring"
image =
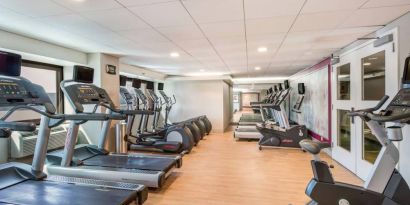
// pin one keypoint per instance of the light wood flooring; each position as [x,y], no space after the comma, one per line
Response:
[221,170]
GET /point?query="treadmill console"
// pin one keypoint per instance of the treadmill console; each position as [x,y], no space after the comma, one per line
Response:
[126,95]
[81,94]
[400,104]
[19,91]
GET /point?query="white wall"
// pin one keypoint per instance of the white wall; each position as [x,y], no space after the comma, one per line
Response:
[196,98]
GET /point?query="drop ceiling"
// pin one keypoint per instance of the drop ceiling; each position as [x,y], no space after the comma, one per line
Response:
[211,36]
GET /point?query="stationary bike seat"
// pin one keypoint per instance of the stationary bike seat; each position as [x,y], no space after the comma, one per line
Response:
[312,146]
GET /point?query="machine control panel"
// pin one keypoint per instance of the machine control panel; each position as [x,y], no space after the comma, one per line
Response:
[19,91]
[126,95]
[400,104]
[80,94]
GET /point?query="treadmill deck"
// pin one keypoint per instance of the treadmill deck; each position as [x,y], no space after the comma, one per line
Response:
[142,163]
[32,192]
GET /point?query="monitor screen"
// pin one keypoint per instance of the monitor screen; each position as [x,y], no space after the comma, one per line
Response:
[83,74]
[160,86]
[10,64]
[275,88]
[301,88]
[270,90]
[136,83]
[286,84]
[150,85]
[123,80]
[280,87]
[406,72]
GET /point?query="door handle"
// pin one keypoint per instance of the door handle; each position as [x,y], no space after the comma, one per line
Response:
[352,118]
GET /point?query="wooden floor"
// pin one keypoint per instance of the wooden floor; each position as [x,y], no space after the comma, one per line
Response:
[224,171]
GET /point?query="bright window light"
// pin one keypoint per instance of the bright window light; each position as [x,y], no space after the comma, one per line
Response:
[257,68]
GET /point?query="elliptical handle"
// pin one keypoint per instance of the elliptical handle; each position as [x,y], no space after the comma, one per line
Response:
[19,126]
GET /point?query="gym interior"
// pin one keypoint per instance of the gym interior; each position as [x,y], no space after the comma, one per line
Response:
[222,102]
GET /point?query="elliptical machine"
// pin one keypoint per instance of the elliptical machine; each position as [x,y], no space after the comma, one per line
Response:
[281,133]
[385,185]
[174,139]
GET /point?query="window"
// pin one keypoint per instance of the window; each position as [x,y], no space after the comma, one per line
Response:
[343,82]
[47,75]
[371,146]
[344,128]
[373,76]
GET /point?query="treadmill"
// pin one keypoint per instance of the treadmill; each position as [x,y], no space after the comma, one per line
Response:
[247,129]
[22,184]
[93,161]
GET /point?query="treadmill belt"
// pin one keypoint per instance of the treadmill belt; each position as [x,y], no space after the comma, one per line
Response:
[247,130]
[32,192]
[143,163]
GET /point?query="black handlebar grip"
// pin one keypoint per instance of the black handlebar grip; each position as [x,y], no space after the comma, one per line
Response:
[19,126]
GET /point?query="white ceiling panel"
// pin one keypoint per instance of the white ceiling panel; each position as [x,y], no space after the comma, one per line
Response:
[224,29]
[145,36]
[215,10]
[182,33]
[88,5]
[7,14]
[116,19]
[142,2]
[314,6]
[272,8]
[375,16]
[320,21]
[164,14]
[74,23]
[382,3]
[280,24]
[36,8]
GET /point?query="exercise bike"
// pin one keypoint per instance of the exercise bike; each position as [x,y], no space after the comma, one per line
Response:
[385,185]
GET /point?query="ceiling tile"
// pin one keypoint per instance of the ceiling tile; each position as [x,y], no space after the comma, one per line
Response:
[38,8]
[375,16]
[224,29]
[88,5]
[143,36]
[182,33]
[215,10]
[280,24]
[314,6]
[164,14]
[272,8]
[382,3]
[320,21]
[142,2]
[115,19]
[74,23]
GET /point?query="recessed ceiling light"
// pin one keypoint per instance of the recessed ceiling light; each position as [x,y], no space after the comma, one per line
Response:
[202,70]
[373,58]
[257,68]
[262,49]
[174,54]
[367,64]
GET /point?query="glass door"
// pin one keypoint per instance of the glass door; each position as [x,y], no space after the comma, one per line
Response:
[342,126]
[360,81]
[378,77]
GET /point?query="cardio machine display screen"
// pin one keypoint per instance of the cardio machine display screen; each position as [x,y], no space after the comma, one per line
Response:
[83,74]
[10,64]
[406,74]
